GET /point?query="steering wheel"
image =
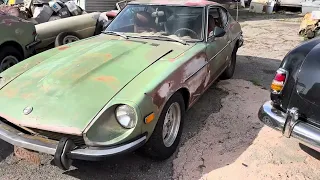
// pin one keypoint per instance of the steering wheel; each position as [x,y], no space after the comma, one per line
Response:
[186,29]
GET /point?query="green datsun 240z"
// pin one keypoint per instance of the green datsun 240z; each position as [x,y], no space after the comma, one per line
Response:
[125,89]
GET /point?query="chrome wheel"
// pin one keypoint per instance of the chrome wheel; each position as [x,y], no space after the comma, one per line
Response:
[69,39]
[171,124]
[7,62]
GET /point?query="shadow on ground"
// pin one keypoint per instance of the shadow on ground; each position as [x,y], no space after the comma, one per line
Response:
[259,71]
[310,151]
[5,150]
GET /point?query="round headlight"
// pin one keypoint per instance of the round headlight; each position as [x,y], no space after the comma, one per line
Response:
[126,116]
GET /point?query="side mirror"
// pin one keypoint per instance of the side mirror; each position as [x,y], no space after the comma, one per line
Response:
[218,32]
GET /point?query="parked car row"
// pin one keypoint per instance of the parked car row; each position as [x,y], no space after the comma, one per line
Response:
[125,89]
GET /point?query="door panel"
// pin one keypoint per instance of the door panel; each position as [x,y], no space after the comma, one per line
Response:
[218,48]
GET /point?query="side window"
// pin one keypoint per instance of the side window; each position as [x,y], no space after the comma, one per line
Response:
[214,20]
[224,17]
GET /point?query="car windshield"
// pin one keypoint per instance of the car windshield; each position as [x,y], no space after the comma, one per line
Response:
[159,21]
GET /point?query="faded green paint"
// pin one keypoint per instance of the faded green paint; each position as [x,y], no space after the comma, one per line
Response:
[67,86]
[74,82]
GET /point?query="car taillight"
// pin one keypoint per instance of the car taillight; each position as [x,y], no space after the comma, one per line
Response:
[279,81]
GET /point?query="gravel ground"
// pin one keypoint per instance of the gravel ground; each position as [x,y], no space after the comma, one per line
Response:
[222,133]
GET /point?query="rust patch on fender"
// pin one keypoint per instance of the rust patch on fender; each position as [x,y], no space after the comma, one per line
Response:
[187,76]
[61,48]
[109,80]
[48,141]
[11,92]
[52,128]
[106,79]
[174,59]
[28,96]
[45,87]
[108,57]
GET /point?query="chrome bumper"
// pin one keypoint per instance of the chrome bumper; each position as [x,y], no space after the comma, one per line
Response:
[17,138]
[290,125]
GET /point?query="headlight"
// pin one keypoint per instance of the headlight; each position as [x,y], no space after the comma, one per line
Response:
[126,116]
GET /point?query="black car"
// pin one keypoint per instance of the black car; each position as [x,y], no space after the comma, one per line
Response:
[294,108]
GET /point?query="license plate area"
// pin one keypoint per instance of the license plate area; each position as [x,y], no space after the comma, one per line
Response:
[28,155]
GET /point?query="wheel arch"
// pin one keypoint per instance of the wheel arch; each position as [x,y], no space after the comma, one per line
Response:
[186,96]
[15,45]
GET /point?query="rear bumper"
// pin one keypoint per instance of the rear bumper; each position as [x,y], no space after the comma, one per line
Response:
[290,126]
[17,138]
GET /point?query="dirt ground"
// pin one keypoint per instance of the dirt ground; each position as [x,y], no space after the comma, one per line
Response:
[222,138]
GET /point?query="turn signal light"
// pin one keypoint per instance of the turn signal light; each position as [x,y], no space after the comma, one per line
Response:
[279,81]
[149,118]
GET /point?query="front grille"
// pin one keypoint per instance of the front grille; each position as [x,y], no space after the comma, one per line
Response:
[78,140]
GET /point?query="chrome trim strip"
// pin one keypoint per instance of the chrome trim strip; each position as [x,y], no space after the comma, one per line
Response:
[17,138]
[105,151]
[219,52]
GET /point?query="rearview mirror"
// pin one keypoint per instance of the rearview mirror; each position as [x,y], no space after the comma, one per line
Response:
[218,32]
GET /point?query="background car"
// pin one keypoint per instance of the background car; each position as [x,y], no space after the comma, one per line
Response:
[125,89]
[294,106]
[67,30]
[17,40]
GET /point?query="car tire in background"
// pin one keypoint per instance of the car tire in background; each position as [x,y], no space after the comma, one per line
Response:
[160,146]
[229,71]
[66,38]
[9,56]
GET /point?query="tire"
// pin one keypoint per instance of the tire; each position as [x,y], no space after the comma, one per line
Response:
[9,56]
[229,71]
[65,38]
[155,147]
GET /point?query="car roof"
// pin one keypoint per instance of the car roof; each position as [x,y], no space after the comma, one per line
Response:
[198,3]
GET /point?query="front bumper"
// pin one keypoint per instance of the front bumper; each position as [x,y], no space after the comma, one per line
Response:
[39,144]
[290,125]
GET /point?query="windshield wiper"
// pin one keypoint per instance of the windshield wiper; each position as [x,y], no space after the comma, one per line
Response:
[116,33]
[167,37]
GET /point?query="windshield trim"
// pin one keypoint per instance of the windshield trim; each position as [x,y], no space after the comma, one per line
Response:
[191,40]
[158,4]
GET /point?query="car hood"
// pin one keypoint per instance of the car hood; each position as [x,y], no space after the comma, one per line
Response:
[72,84]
